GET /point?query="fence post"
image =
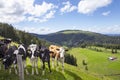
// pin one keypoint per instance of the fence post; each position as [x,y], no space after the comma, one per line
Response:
[20,67]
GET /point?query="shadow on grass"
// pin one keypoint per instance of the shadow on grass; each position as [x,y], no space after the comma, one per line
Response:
[76,77]
[54,75]
[5,75]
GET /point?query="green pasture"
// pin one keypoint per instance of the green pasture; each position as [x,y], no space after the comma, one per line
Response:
[70,73]
[98,63]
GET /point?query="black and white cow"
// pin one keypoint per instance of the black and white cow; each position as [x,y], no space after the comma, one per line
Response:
[4,43]
[33,52]
[22,51]
[45,57]
[11,57]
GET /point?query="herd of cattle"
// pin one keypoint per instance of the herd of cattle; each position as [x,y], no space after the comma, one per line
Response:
[33,51]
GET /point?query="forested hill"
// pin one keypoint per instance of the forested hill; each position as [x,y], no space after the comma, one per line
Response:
[80,38]
[8,31]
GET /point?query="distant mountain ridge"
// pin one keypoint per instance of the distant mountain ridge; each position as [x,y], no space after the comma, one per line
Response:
[79,37]
[113,34]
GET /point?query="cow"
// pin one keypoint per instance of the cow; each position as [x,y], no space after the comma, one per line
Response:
[45,57]
[33,52]
[10,58]
[22,51]
[4,43]
[57,55]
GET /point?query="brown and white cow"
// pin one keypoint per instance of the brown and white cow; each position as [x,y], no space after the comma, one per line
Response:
[57,55]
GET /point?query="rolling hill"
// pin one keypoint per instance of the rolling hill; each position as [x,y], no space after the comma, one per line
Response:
[79,37]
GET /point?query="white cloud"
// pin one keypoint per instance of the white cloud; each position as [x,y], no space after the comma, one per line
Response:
[68,7]
[50,15]
[40,10]
[89,6]
[106,13]
[38,30]
[13,11]
[42,19]
[113,29]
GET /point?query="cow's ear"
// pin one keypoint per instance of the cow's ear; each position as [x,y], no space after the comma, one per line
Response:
[16,52]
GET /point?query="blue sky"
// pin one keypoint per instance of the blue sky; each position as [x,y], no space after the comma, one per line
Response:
[48,16]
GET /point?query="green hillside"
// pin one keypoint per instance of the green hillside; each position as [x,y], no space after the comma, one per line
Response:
[73,31]
[98,63]
[73,38]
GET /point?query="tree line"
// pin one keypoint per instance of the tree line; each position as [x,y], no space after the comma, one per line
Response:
[8,31]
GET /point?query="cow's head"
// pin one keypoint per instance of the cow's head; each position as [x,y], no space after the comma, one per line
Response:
[33,51]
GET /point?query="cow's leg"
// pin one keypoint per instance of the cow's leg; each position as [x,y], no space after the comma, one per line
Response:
[49,66]
[41,64]
[43,72]
[32,62]
[15,67]
[56,64]
[63,64]
[53,60]
[61,60]
[24,65]
[0,65]
[36,66]
[10,70]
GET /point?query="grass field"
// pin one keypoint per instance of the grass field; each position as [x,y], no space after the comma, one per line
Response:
[70,73]
[98,63]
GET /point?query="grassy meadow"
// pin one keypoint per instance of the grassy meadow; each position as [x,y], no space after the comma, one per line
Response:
[98,63]
[70,73]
